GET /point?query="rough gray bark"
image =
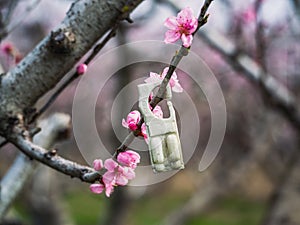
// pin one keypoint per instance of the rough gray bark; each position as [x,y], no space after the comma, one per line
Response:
[40,70]
[23,167]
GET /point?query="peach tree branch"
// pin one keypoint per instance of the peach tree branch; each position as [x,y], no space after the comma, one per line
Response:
[183,51]
[51,159]
[85,22]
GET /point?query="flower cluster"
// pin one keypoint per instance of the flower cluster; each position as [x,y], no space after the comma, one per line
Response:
[134,117]
[174,82]
[117,173]
[181,27]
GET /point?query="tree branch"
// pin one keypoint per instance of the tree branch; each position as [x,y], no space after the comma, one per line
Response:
[75,75]
[40,70]
[49,158]
[23,168]
[183,51]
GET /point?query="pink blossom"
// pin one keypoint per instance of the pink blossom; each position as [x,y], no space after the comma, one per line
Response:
[129,158]
[8,48]
[132,120]
[174,82]
[182,26]
[97,188]
[116,175]
[109,188]
[98,164]
[110,165]
[81,69]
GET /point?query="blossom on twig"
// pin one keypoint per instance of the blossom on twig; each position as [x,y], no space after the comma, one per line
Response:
[181,27]
[98,164]
[117,173]
[81,69]
[174,82]
[132,120]
[129,158]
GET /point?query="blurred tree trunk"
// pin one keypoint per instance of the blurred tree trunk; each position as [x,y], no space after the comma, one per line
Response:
[284,206]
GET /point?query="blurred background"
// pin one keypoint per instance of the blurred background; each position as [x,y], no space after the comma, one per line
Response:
[254,178]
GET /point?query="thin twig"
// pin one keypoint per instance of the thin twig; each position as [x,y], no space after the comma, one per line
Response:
[183,51]
[278,95]
[75,75]
[49,158]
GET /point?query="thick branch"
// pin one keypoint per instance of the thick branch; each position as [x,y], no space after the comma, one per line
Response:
[40,70]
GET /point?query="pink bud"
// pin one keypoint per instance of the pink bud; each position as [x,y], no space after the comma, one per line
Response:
[129,158]
[8,48]
[132,120]
[98,164]
[81,69]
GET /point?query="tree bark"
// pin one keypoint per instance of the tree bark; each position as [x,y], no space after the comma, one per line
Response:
[44,67]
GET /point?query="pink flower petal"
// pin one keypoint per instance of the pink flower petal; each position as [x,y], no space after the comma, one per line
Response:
[132,120]
[98,164]
[186,40]
[110,165]
[128,173]
[124,123]
[121,180]
[193,25]
[171,23]
[171,36]
[108,190]
[97,188]
[184,15]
